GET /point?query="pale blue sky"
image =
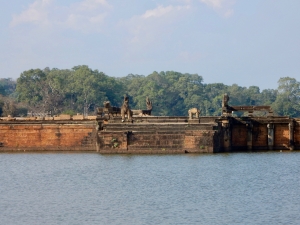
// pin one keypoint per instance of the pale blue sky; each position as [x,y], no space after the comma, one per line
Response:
[247,42]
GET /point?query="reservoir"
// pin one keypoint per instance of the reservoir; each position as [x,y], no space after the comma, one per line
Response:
[90,188]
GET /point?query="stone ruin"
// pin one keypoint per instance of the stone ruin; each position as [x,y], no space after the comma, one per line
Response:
[228,110]
[124,110]
[194,113]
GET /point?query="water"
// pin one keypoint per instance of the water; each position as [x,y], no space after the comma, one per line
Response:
[60,188]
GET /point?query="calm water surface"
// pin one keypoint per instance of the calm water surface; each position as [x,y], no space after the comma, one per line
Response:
[250,188]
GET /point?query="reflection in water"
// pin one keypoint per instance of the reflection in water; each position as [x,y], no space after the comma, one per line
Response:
[257,188]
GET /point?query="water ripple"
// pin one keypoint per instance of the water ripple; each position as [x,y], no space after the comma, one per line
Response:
[260,188]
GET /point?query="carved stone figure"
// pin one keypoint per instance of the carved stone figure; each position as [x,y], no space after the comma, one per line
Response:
[194,111]
[149,105]
[144,112]
[225,100]
[125,109]
[108,109]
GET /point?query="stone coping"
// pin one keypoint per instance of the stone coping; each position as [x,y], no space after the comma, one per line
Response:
[60,117]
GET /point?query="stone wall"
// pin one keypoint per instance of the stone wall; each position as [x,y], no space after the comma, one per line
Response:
[239,136]
[151,135]
[260,136]
[297,134]
[157,135]
[48,136]
[259,133]
[281,136]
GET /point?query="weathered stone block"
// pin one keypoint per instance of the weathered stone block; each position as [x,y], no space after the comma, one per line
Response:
[64,117]
[92,117]
[78,117]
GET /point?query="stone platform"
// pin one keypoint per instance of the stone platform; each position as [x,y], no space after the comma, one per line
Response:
[150,134]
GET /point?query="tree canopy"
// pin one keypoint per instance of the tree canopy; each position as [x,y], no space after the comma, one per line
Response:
[81,89]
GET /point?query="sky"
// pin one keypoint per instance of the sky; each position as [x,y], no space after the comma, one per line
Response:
[225,41]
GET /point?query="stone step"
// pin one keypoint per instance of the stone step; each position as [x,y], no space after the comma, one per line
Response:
[157,128]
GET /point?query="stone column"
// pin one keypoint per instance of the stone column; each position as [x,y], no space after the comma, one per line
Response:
[98,127]
[270,136]
[125,139]
[249,135]
[291,135]
[227,142]
[97,143]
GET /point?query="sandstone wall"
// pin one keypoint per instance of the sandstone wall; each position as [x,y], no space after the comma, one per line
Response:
[281,137]
[239,136]
[47,136]
[151,135]
[260,136]
[265,133]
[157,138]
[297,133]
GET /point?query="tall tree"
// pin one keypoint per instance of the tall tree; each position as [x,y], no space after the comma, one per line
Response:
[31,87]
[7,86]
[91,87]
[288,98]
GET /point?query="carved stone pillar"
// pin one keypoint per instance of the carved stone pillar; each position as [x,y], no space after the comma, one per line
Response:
[270,136]
[227,142]
[125,139]
[249,135]
[291,135]
[98,127]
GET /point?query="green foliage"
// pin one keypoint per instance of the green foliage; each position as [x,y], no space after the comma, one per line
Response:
[1,105]
[69,112]
[81,89]
[288,98]
[30,87]
[172,93]
[21,111]
[8,107]
[7,86]
[91,87]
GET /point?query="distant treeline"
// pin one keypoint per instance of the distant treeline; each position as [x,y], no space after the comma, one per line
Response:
[82,89]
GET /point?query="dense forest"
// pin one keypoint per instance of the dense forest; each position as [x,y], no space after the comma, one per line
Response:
[81,90]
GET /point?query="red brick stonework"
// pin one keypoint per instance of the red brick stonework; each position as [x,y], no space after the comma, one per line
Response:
[281,136]
[157,136]
[297,134]
[260,135]
[47,136]
[151,135]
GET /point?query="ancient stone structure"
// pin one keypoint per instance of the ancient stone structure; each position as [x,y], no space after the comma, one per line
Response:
[144,112]
[225,101]
[48,135]
[194,113]
[108,110]
[227,110]
[125,109]
[158,135]
[152,134]
[149,105]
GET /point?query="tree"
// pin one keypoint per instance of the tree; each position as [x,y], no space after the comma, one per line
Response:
[58,89]
[91,87]
[31,87]
[7,86]
[80,89]
[39,90]
[8,107]
[288,98]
